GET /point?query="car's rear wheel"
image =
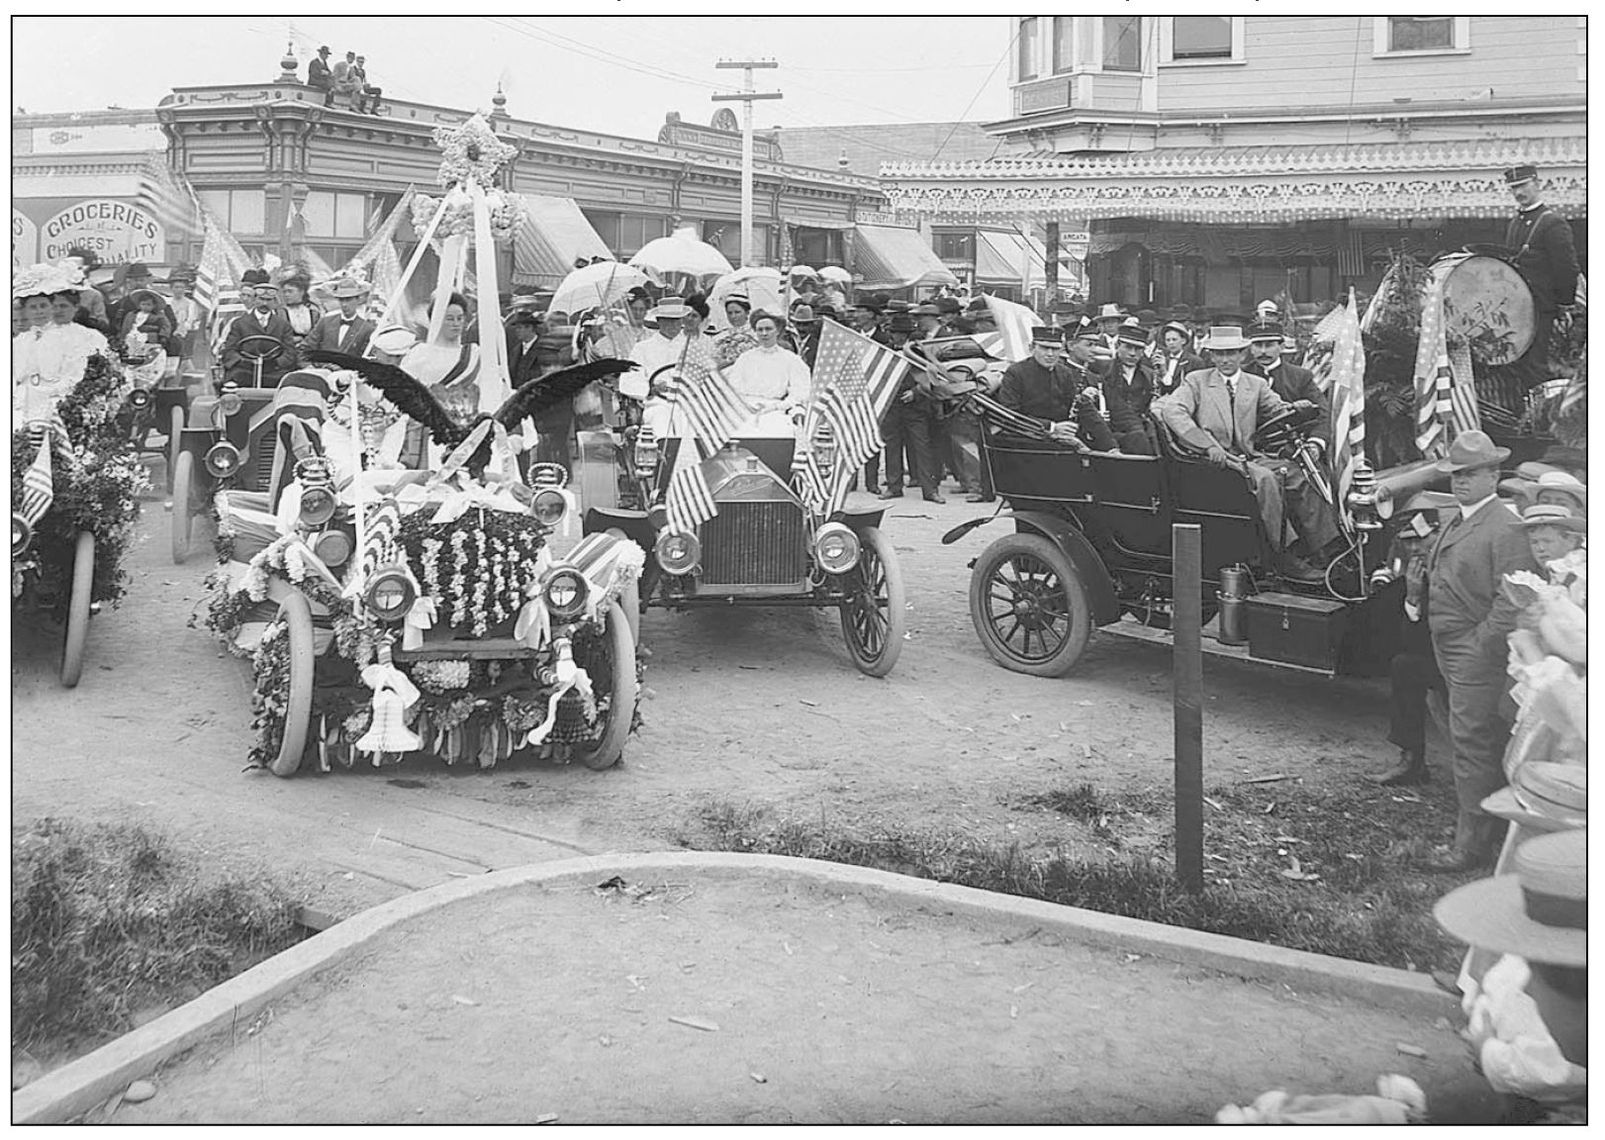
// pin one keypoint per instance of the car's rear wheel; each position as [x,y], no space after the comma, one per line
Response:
[873,617]
[607,747]
[1029,606]
[183,498]
[296,614]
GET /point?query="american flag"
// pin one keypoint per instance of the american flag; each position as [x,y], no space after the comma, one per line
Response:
[38,487]
[1462,390]
[689,501]
[712,405]
[210,272]
[822,492]
[1013,335]
[1348,402]
[1433,379]
[855,379]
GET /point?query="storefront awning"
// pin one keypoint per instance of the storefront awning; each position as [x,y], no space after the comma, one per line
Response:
[885,257]
[554,235]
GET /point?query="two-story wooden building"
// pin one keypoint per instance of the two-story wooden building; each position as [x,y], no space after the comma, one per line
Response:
[1216,160]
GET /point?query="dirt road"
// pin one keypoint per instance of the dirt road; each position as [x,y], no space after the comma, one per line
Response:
[751,706]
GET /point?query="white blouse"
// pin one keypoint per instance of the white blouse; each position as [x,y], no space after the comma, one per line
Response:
[774,381]
[46,364]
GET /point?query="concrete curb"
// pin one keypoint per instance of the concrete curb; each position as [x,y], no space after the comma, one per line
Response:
[76,1088]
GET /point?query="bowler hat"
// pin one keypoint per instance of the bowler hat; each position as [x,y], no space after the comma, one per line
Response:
[1132,332]
[902,322]
[869,302]
[1523,172]
[1044,335]
[137,271]
[523,317]
[254,277]
[1538,913]
[1147,318]
[1224,338]
[1472,449]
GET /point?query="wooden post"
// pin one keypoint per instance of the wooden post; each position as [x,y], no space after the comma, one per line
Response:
[1050,263]
[1188,671]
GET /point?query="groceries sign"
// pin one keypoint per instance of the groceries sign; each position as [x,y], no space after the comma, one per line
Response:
[24,239]
[115,231]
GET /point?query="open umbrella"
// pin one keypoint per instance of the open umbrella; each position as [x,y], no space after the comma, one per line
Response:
[836,273]
[681,252]
[595,287]
[761,284]
[804,271]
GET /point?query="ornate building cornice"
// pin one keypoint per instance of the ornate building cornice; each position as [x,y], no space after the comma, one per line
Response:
[1248,184]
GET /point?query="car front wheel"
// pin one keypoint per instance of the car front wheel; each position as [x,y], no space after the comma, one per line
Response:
[873,617]
[1029,606]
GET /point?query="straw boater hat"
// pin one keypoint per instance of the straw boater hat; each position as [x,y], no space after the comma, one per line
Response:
[1472,449]
[1224,338]
[1567,484]
[669,309]
[1551,514]
[1176,326]
[1111,312]
[1539,913]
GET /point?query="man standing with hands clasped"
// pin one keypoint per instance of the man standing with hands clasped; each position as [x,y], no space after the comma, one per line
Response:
[1470,617]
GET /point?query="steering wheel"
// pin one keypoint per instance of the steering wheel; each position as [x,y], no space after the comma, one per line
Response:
[260,346]
[1281,434]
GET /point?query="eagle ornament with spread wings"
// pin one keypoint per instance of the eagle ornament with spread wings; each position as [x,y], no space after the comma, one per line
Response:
[412,397]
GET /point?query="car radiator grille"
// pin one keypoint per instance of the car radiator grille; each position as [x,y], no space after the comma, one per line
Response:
[753,544]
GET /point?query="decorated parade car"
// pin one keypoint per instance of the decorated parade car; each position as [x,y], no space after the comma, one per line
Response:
[762,520]
[1092,547]
[76,482]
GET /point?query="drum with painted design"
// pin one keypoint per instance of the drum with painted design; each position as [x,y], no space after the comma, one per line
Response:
[1487,304]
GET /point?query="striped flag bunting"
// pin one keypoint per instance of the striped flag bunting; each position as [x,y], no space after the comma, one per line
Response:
[854,380]
[1433,379]
[162,195]
[1014,324]
[299,408]
[38,487]
[823,492]
[1348,404]
[1462,391]
[712,405]
[689,501]
[380,538]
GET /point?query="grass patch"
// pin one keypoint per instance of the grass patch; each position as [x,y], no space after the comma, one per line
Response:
[1364,903]
[107,919]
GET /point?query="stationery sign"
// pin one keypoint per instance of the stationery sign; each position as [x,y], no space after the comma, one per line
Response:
[115,231]
[24,239]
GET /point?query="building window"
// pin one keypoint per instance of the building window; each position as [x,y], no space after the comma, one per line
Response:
[1201,39]
[1415,35]
[625,234]
[1122,43]
[817,247]
[725,236]
[1063,43]
[333,215]
[955,245]
[238,211]
[1028,47]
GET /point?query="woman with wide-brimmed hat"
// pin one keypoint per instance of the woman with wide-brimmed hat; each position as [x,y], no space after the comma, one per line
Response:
[47,358]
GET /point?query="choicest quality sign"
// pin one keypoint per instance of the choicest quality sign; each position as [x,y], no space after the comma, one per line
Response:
[115,231]
[24,239]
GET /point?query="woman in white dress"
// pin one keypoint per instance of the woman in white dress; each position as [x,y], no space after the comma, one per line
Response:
[47,359]
[773,380]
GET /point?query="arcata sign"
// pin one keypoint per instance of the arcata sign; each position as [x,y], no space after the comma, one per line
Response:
[115,231]
[24,239]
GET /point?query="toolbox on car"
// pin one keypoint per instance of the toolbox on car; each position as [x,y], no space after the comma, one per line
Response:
[1296,630]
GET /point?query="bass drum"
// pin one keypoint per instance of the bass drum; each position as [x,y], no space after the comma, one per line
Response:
[1486,304]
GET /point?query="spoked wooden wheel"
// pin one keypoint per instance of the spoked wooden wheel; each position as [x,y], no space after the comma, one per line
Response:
[83,584]
[296,614]
[1029,606]
[183,504]
[873,617]
[608,746]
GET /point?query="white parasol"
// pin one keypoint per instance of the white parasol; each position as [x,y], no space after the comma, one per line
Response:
[595,287]
[681,252]
[761,284]
[836,273]
[804,271]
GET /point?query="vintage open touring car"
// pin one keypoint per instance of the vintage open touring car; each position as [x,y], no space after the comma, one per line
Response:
[1092,548]
[764,547]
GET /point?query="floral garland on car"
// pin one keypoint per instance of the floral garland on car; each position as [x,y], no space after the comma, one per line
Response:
[478,569]
[95,487]
[474,156]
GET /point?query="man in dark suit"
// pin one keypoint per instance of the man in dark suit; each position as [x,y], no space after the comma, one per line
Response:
[1470,617]
[529,360]
[1127,383]
[346,331]
[1541,244]
[262,317]
[1045,387]
[1176,356]
[1288,381]
[805,335]
[909,424]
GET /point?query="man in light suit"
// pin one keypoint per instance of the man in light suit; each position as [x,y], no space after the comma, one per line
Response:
[1215,412]
[346,331]
[1470,617]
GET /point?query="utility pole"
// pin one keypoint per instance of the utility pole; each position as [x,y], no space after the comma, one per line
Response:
[747,95]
